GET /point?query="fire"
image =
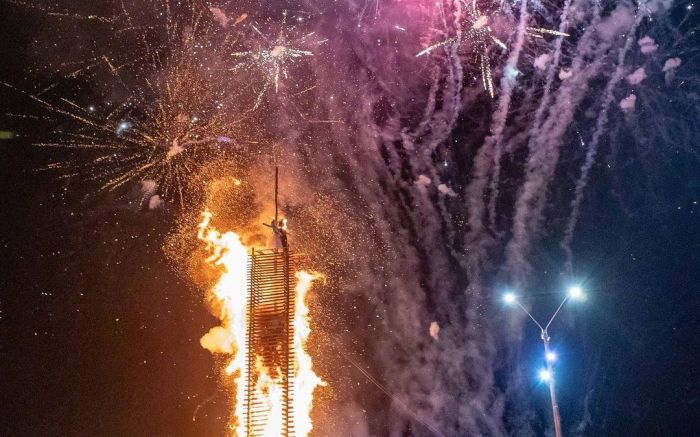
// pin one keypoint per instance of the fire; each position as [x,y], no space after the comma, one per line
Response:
[231,293]
[306,379]
[228,250]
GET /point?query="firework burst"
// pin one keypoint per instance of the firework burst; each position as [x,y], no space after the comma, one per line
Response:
[475,31]
[275,53]
[165,107]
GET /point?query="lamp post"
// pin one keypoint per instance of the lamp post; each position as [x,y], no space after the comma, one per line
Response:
[547,374]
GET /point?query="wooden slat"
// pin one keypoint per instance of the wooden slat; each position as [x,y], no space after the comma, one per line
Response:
[270,334]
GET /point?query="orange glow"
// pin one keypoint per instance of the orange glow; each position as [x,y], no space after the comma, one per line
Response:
[230,293]
[305,378]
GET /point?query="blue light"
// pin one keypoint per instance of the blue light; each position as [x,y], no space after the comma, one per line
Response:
[123,127]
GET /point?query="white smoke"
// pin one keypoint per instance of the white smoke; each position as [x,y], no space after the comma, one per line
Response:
[444,189]
[220,16]
[148,187]
[423,182]
[175,149]
[647,45]
[637,77]
[565,73]
[617,24]
[155,202]
[627,104]
[671,64]
[670,67]
[149,196]
[542,61]
[434,330]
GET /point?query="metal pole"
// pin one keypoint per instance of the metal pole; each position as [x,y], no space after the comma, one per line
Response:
[276,169]
[552,394]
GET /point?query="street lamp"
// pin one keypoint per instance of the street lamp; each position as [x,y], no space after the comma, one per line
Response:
[547,374]
[576,293]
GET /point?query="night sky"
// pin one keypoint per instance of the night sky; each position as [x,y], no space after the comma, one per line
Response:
[100,323]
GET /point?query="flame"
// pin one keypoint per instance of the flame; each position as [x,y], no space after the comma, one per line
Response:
[228,250]
[231,292]
[305,379]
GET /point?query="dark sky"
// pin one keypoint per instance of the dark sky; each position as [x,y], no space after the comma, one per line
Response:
[99,336]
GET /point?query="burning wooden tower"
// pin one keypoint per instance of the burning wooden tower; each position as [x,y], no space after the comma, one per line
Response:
[270,357]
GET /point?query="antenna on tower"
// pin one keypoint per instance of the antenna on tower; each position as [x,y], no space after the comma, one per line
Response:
[279,227]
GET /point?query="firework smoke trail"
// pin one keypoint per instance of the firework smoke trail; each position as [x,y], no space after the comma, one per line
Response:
[385,171]
[544,104]
[478,33]
[545,147]
[592,151]
[435,128]
[488,155]
[450,382]
[411,278]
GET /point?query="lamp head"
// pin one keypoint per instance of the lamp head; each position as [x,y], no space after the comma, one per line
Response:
[576,293]
[545,375]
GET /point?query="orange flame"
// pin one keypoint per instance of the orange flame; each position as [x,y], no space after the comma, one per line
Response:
[231,292]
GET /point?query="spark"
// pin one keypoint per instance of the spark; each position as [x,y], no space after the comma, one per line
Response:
[123,127]
[178,114]
[539,31]
[275,56]
[479,36]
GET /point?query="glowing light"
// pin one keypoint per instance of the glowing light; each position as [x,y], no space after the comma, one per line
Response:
[576,293]
[537,32]
[551,357]
[511,73]
[545,375]
[509,298]
[123,127]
